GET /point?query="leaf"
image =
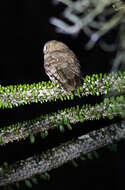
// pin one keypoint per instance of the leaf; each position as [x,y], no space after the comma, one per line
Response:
[28,183]
[45,176]
[1,171]
[34,180]
[69,127]
[17,185]
[5,164]
[89,155]
[44,134]
[61,128]
[1,140]
[32,139]
[82,157]
[74,163]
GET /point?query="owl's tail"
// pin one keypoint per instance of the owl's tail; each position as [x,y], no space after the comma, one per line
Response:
[71,85]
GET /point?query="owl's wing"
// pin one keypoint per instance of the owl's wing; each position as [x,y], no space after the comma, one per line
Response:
[69,80]
[68,70]
[68,62]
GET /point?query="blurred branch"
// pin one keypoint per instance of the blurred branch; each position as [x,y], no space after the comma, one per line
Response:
[91,17]
[119,5]
[119,61]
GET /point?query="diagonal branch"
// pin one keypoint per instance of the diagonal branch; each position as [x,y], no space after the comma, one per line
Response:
[59,155]
[109,108]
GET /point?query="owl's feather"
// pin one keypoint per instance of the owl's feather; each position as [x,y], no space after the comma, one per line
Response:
[62,66]
[69,80]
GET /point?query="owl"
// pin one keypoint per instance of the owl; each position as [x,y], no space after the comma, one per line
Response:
[61,65]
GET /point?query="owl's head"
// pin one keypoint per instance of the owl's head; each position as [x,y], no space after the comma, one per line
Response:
[53,45]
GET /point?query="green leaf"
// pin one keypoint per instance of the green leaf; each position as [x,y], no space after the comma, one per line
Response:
[32,139]
[44,134]
[61,97]
[28,183]
[5,164]
[76,117]
[1,140]
[82,157]
[34,180]
[69,126]
[66,121]
[1,171]
[78,92]
[17,185]
[110,116]
[45,176]
[61,128]
[109,110]
[74,163]
[72,96]
[106,101]
[97,93]
[89,155]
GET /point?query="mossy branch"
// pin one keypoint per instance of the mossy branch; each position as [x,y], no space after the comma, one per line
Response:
[96,84]
[59,155]
[109,108]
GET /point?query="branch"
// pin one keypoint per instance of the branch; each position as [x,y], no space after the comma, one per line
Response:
[93,17]
[59,155]
[119,60]
[97,84]
[109,108]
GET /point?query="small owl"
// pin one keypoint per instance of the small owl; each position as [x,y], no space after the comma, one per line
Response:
[61,65]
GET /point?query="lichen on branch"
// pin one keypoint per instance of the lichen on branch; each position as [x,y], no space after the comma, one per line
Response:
[63,153]
[97,84]
[109,108]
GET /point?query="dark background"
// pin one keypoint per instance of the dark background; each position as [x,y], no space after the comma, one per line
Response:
[24,29]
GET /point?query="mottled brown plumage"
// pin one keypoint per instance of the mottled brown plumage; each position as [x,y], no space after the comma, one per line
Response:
[61,65]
